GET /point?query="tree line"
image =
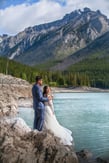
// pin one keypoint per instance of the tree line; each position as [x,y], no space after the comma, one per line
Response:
[85,73]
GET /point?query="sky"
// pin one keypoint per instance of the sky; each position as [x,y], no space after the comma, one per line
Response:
[16,15]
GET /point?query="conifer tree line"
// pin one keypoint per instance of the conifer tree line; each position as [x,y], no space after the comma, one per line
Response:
[78,75]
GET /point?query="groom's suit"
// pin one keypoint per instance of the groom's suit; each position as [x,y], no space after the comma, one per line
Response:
[38,105]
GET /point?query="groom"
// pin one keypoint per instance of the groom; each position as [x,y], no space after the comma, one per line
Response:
[38,104]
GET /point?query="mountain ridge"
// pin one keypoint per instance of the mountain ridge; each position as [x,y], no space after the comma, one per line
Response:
[99,48]
[56,40]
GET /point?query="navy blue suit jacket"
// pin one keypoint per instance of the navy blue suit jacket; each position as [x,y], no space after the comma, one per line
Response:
[38,99]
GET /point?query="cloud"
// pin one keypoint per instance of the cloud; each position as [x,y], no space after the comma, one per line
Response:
[16,18]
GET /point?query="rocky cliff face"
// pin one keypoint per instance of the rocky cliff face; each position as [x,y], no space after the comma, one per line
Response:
[99,48]
[11,89]
[56,40]
[19,143]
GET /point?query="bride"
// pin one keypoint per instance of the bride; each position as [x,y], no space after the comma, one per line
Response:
[51,123]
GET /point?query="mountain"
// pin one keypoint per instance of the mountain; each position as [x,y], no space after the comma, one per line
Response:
[98,49]
[53,42]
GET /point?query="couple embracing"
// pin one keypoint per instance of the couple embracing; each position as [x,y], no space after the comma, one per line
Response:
[44,116]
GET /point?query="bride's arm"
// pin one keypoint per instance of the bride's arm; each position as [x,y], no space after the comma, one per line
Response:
[50,102]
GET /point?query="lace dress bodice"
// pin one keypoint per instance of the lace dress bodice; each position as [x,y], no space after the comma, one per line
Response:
[50,104]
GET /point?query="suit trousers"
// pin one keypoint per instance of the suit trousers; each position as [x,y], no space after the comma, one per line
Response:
[38,118]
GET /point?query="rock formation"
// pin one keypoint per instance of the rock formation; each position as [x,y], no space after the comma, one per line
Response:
[85,156]
[11,89]
[18,143]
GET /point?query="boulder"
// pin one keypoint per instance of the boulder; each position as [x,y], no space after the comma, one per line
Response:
[18,143]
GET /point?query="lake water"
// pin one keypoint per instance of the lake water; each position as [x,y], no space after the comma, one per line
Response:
[86,114]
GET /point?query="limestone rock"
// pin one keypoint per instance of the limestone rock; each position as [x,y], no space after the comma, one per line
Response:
[8,79]
[18,143]
[11,89]
[8,105]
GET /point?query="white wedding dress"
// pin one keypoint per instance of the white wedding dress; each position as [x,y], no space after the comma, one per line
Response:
[51,123]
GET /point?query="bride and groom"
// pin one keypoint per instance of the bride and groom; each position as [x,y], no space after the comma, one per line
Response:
[44,116]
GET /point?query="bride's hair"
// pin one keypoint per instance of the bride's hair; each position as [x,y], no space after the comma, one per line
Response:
[45,90]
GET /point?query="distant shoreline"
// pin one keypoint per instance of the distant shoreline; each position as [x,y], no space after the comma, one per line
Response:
[27,102]
[78,90]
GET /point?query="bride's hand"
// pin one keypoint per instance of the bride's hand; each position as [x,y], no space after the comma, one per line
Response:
[50,98]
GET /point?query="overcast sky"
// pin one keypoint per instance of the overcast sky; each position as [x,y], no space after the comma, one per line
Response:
[16,15]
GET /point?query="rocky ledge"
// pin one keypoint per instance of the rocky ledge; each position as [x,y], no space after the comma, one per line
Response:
[19,143]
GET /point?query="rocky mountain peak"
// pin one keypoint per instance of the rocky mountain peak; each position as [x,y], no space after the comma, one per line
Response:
[62,37]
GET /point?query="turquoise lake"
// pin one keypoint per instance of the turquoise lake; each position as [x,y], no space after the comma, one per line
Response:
[86,114]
